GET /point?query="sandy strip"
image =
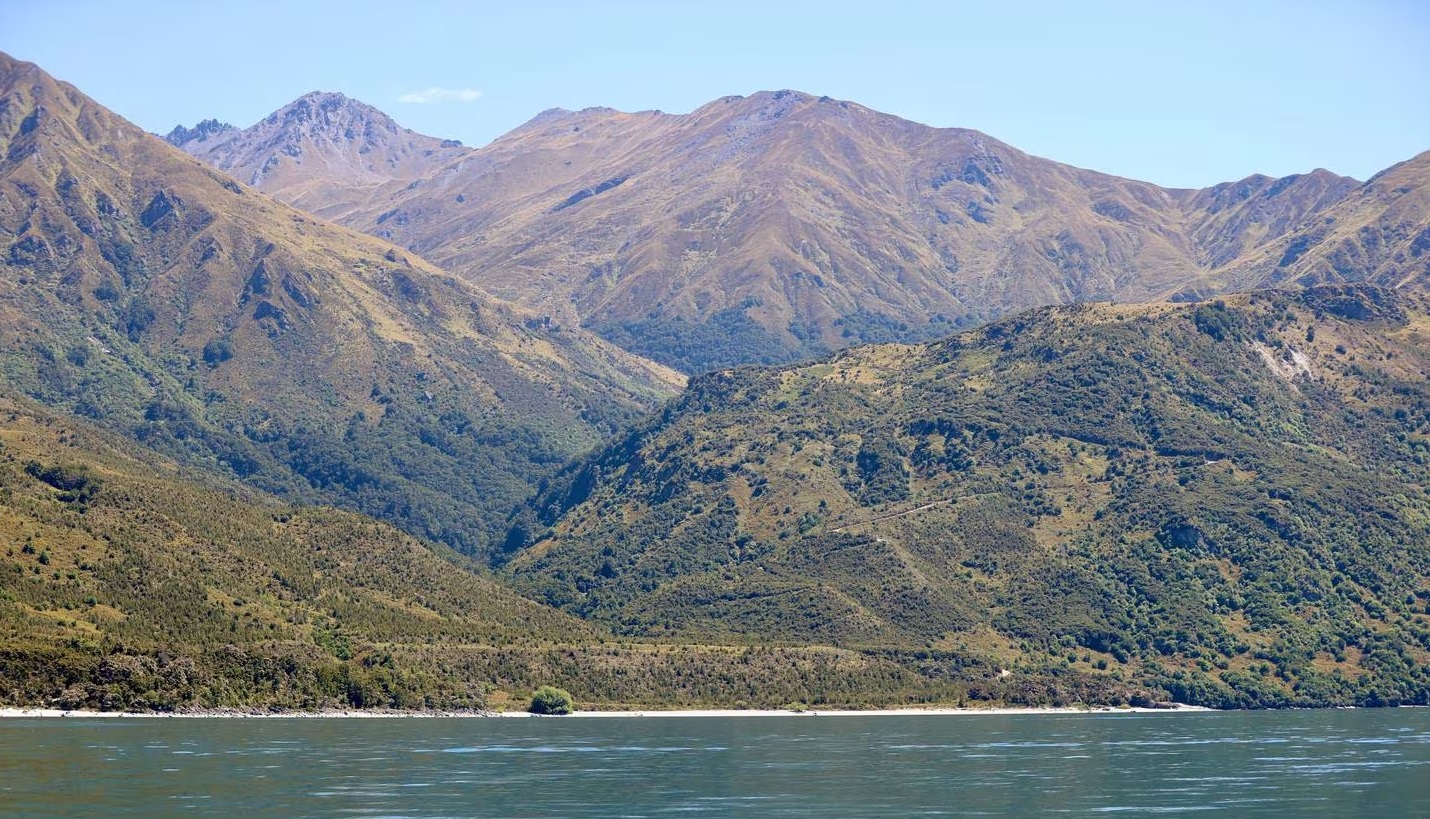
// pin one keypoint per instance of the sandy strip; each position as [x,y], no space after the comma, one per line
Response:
[32,713]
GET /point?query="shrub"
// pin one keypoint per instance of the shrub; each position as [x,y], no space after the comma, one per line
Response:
[217,351]
[76,484]
[549,699]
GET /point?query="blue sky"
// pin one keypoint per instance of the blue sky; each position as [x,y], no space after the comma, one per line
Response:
[1178,93]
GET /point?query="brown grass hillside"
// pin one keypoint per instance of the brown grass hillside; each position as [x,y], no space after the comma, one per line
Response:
[780,225]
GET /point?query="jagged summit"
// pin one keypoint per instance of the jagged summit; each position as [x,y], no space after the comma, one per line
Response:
[328,150]
[201,132]
[334,116]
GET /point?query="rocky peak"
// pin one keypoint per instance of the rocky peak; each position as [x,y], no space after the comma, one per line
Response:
[326,111]
[317,143]
[199,133]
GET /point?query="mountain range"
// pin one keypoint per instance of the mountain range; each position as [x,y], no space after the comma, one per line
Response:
[190,370]
[780,225]
[327,413]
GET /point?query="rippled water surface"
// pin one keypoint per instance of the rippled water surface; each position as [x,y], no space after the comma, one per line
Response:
[1326,763]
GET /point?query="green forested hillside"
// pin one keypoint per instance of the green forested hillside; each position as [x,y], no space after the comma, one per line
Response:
[1224,502]
[128,582]
[131,583]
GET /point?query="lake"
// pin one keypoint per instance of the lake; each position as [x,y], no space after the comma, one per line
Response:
[1288,763]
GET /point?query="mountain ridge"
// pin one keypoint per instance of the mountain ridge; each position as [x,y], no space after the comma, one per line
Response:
[768,227]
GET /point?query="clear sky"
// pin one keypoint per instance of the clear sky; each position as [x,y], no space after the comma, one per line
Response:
[1177,92]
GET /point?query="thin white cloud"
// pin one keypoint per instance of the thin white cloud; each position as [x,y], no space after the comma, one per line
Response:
[436,94]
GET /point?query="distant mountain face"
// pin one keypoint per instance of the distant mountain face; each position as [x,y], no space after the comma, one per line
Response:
[1224,500]
[768,227]
[161,298]
[323,152]
[1230,222]
[782,224]
[1378,233]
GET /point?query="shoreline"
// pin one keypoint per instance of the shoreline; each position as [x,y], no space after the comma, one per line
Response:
[221,713]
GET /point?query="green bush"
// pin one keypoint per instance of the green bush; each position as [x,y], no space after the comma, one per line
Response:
[549,699]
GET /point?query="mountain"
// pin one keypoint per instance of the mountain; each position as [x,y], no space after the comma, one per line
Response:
[323,152]
[781,225]
[170,332]
[1379,233]
[1223,501]
[144,290]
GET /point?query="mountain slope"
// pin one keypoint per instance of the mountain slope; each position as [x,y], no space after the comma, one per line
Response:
[145,290]
[1229,222]
[781,223]
[1224,501]
[128,582]
[323,152]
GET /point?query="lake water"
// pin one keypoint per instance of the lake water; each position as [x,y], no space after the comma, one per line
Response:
[1294,764]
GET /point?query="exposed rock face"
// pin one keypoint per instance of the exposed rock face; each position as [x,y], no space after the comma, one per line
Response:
[203,132]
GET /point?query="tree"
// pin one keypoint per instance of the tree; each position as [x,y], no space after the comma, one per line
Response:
[549,699]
